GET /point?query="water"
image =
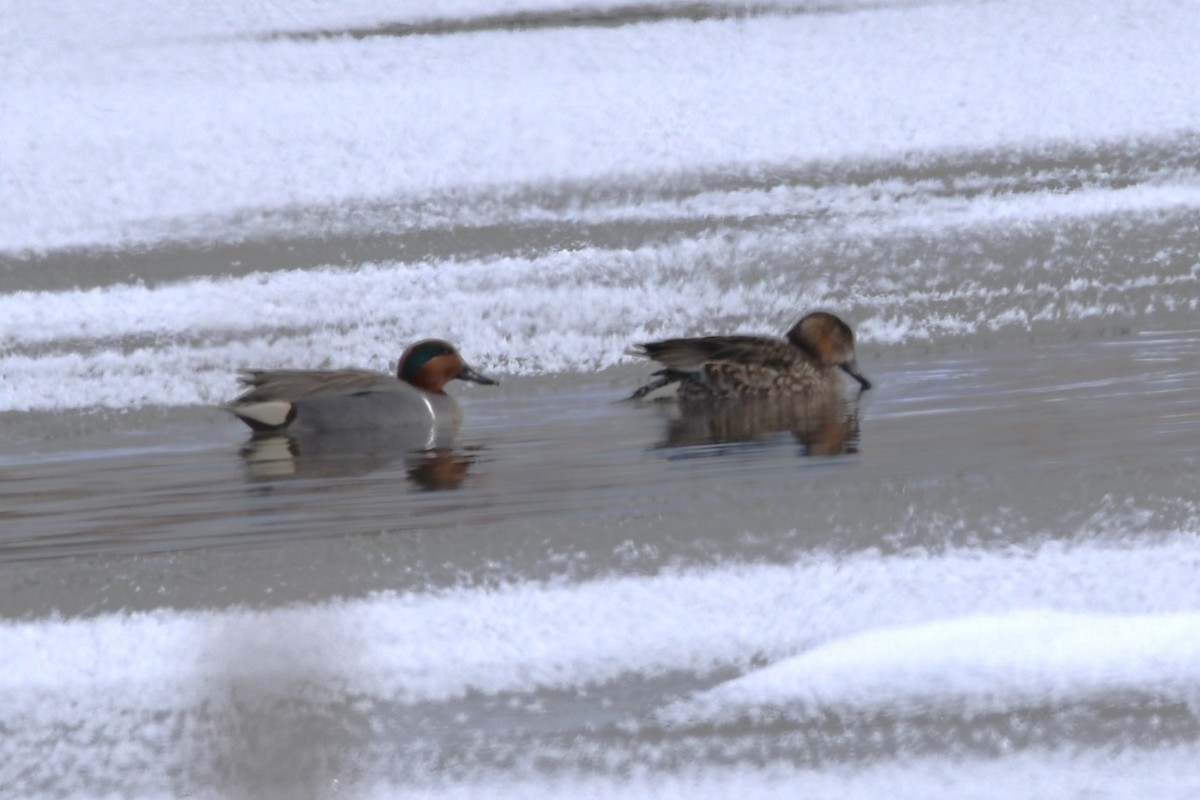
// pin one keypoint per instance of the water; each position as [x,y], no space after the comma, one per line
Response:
[991,586]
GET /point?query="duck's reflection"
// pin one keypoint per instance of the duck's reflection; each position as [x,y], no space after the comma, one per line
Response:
[439,469]
[431,462]
[822,427]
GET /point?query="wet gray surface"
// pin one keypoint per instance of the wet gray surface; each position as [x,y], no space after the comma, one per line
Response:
[559,479]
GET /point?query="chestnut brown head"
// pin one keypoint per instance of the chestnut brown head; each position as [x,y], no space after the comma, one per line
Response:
[432,363]
[829,342]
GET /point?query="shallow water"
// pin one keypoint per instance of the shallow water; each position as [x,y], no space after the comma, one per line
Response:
[988,436]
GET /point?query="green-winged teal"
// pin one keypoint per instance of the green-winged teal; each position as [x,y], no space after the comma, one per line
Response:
[804,364]
[316,401]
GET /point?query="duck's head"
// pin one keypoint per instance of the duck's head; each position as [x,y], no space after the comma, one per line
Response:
[432,363]
[829,342]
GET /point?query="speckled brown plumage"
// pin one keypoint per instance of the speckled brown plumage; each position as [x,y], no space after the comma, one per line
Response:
[806,363]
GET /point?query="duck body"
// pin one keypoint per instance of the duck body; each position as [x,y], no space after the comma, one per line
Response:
[335,400]
[805,364]
[328,401]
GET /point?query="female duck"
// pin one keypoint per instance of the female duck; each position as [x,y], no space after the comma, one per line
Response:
[316,401]
[804,365]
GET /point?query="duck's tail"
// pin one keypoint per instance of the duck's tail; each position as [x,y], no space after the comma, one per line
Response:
[662,378]
[268,415]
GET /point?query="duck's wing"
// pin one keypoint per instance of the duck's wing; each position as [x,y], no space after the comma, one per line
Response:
[688,355]
[730,363]
[270,397]
[292,384]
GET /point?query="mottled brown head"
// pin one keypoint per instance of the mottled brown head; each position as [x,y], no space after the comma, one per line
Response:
[829,342]
[432,363]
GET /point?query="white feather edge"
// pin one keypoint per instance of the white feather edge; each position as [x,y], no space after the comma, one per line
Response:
[271,413]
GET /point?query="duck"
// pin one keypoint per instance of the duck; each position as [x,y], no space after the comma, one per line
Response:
[802,365]
[331,401]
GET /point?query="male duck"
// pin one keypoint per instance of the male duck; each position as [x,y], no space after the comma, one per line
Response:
[804,365]
[317,401]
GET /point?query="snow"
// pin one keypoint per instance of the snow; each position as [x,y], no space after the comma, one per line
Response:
[113,140]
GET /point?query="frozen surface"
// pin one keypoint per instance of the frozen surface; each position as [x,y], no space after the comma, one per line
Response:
[1117,776]
[139,136]
[423,647]
[968,632]
[123,346]
[982,662]
[676,177]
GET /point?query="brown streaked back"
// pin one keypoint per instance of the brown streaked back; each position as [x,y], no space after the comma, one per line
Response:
[690,354]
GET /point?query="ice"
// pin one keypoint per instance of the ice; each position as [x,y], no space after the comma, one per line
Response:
[1064,620]
[111,143]
[1096,776]
[983,663]
[126,127]
[966,631]
[123,345]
